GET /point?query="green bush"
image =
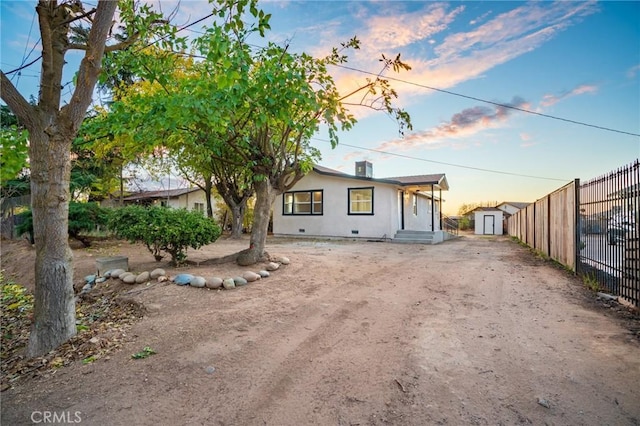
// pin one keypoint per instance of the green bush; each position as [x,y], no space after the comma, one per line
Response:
[464,223]
[83,218]
[163,229]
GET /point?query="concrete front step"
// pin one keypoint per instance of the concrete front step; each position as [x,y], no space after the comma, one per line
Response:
[414,237]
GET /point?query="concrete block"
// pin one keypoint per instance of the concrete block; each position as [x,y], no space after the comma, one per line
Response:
[104,264]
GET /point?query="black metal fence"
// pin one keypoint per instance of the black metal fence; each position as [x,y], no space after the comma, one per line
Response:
[609,236]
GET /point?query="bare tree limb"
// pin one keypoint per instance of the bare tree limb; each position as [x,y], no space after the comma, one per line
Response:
[16,102]
[91,63]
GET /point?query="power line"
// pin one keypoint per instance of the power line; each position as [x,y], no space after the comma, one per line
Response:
[424,86]
[26,46]
[442,162]
[23,66]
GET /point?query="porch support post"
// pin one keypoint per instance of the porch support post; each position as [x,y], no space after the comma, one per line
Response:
[402,210]
[433,210]
[440,204]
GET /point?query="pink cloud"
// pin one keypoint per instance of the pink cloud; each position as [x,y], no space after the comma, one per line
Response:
[463,124]
[460,56]
[549,100]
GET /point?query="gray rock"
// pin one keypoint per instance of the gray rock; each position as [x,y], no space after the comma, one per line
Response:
[101,280]
[126,274]
[272,266]
[198,282]
[108,273]
[264,274]
[251,276]
[87,287]
[210,369]
[228,283]
[142,278]
[159,272]
[116,273]
[601,295]
[214,282]
[284,260]
[544,403]
[90,278]
[129,279]
[183,279]
[239,281]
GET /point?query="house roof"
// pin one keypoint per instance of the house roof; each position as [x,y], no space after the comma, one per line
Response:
[518,205]
[484,209]
[164,193]
[439,180]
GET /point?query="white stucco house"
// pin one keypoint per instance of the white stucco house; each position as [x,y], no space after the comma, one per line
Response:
[330,203]
[488,221]
[184,198]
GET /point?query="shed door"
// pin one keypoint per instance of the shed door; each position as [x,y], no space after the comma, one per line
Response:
[489,225]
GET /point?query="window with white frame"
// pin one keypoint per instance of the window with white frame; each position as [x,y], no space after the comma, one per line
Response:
[361,201]
[302,203]
[199,207]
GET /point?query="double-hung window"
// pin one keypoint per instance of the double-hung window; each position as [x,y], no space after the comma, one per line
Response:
[302,203]
[361,201]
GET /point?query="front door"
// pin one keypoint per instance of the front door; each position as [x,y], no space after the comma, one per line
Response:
[489,225]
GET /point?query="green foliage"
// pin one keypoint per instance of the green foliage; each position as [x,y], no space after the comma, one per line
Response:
[162,229]
[16,307]
[464,223]
[83,218]
[591,282]
[15,297]
[144,353]
[13,146]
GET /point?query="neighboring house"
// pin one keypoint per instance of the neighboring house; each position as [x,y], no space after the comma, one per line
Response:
[329,203]
[488,221]
[510,207]
[185,198]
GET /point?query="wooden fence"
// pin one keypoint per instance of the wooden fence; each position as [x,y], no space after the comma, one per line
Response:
[549,224]
[593,229]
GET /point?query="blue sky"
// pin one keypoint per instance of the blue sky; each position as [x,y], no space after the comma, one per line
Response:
[578,61]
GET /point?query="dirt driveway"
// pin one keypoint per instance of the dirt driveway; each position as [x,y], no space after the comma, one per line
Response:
[472,331]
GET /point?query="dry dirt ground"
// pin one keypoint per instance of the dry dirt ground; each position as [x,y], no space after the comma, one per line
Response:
[473,331]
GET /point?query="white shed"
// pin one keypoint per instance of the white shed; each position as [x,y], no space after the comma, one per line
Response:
[488,221]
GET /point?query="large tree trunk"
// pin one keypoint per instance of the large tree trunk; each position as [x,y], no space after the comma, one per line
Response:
[238,211]
[265,196]
[51,130]
[54,309]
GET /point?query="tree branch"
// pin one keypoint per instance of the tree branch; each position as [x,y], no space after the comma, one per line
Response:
[77,46]
[77,18]
[16,102]
[91,63]
[123,44]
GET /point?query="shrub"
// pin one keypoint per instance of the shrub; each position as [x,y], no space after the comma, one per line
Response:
[163,229]
[464,223]
[83,218]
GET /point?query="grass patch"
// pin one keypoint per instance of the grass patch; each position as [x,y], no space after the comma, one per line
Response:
[591,282]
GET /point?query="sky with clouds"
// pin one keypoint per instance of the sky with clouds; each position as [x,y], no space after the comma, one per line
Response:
[470,61]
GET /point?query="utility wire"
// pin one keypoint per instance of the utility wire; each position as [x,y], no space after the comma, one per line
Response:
[26,46]
[581,123]
[136,51]
[442,162]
